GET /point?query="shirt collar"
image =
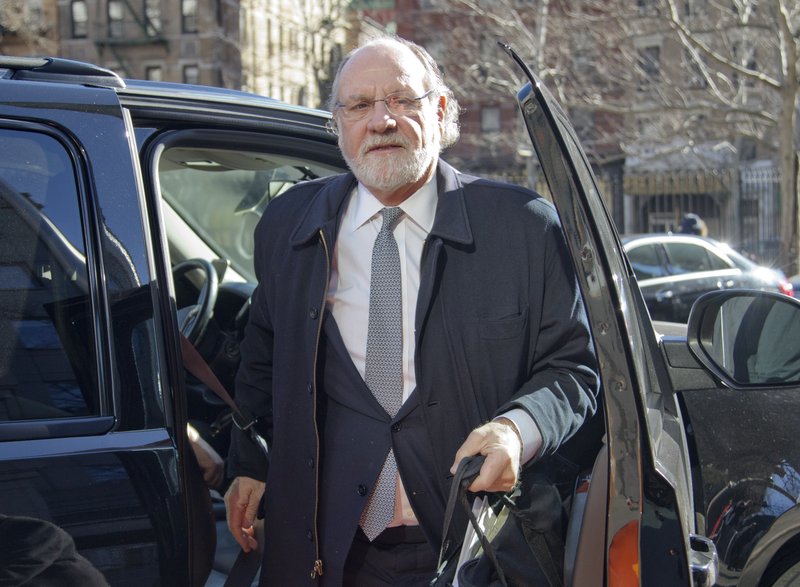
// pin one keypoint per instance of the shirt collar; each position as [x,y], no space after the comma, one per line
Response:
[420,207]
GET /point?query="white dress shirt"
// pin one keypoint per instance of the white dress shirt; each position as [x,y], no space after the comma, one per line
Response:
[349,290]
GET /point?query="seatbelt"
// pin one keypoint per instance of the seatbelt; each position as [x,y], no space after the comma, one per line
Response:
[197,366]
[247,564]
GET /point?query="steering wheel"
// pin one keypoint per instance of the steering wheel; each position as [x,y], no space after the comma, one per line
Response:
[194,318]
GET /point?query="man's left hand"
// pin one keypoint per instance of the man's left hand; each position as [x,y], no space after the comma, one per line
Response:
[501,445]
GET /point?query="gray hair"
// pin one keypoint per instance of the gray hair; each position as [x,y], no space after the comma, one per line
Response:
[433,75]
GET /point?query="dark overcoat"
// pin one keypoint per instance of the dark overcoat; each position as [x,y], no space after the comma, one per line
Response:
[500,324]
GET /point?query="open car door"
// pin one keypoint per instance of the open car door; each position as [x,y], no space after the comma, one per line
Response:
[648,527]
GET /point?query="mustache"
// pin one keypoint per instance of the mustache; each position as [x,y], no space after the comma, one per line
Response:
[383,141]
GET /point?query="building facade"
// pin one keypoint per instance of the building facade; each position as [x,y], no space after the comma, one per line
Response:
[28,27]
[190,41]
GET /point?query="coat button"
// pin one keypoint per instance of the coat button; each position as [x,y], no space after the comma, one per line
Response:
[362,490]
[396,427]
[310,463]
[310,388]
[310,535]
[313,313]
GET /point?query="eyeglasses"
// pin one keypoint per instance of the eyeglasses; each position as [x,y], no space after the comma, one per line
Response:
[397,103]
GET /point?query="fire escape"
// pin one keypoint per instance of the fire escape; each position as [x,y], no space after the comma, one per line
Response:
[148,31]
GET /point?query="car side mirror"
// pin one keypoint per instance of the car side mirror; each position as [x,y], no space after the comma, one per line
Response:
[747,338]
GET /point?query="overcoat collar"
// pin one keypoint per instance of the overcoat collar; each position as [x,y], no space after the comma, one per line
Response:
[451,222]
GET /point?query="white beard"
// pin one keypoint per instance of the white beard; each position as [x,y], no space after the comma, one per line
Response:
[391,173]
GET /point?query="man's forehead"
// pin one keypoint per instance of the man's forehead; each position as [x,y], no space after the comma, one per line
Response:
[381,67]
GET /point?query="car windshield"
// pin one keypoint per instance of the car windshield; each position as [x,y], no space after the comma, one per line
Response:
[221,194]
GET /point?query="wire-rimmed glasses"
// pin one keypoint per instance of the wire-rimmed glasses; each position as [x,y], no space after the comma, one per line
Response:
[397,103]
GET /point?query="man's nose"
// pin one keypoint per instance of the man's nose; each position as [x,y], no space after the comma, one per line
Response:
[380,119]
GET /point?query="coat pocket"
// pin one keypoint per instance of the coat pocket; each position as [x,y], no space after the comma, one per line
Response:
[503,328]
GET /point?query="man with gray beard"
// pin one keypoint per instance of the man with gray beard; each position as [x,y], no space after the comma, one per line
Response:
[407,316]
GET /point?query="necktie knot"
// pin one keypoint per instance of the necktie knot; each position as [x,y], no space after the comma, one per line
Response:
[390,218]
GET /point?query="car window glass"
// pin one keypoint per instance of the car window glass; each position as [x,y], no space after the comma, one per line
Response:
[221,193]
[717,263]
[687,258]
[47,351]
[645,262]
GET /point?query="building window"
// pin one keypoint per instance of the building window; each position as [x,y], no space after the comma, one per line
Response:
[189,16]
[80,19]
[694,72]
[490,119]
[649,66]
[152,15]
[191,74]
[154,73]
[693,8]
[115,14]
[648,7]
[744,55]
[35,14]
[488,46]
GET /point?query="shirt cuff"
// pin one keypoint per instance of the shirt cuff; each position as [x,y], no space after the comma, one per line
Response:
[528,431]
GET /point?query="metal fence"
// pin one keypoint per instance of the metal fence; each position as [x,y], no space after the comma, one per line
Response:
[740,206]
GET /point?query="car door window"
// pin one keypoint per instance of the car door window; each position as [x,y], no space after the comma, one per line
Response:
[646,263]
[717,263]
[47,350]
[221,192]
[688,258]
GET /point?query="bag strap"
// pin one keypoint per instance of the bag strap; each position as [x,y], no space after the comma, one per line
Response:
[488,547]
[469,468]
[466,472]
[244,569]
[538,545]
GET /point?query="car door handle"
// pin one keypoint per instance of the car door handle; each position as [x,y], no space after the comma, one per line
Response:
[726,285]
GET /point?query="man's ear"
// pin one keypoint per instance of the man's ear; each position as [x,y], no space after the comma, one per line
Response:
[441,107]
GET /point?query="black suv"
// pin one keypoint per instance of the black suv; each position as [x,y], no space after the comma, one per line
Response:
[127,217]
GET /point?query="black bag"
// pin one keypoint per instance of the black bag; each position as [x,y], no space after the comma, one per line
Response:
[526,551]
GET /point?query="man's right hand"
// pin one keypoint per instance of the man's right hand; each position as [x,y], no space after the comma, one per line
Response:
[241,505]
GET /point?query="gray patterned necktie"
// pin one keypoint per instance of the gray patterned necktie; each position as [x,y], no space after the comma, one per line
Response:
[384,363]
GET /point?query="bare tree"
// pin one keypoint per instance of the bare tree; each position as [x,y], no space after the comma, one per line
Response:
[654,77]
[324,22]
[23,30]
[747,54]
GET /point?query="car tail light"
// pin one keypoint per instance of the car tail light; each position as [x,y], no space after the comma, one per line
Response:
[785,287]
[623,557]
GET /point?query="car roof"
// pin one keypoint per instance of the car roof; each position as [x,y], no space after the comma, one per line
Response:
[59,70]
[668,237]
[171,90]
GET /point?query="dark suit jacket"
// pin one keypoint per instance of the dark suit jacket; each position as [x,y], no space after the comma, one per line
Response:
[500,325]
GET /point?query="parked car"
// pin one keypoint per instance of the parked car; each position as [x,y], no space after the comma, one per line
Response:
[127,210]
[673,270]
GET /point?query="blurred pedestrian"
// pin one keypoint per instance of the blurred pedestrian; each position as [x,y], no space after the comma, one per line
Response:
[693,224]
